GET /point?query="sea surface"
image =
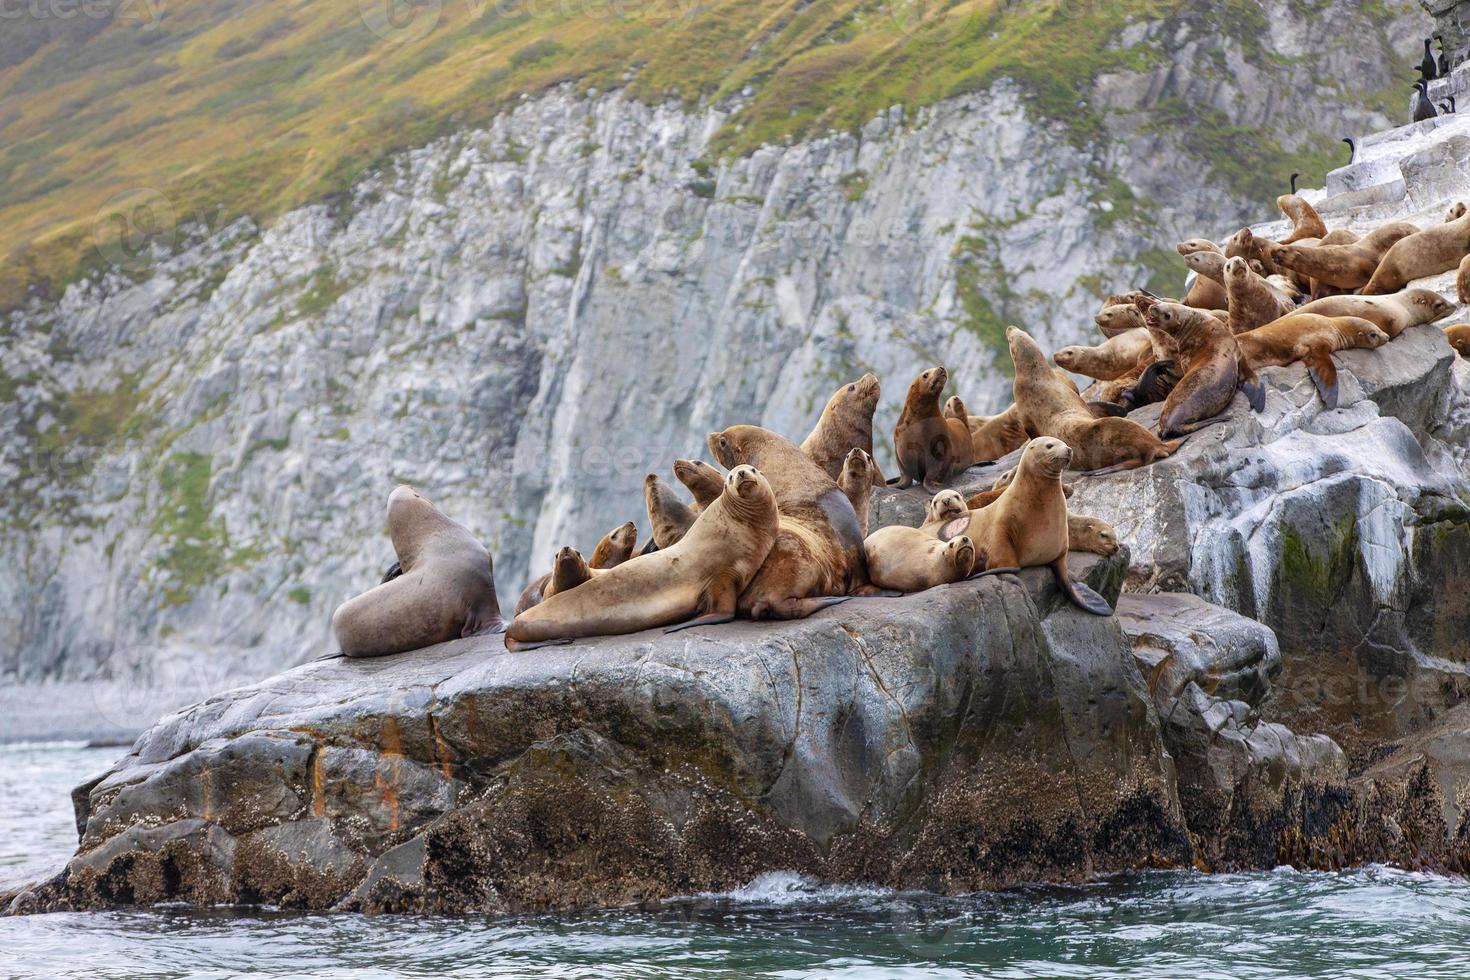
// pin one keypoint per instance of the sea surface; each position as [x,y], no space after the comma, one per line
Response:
[1376,922]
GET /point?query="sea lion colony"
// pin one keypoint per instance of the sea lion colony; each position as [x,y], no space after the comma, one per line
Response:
[783,531]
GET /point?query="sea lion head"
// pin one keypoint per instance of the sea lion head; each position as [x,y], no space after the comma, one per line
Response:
[863,392]
[960,554]
[858,463]
[1047,456]
[1205,262]
[955,408]
[1101,533]
[748,485]
[1429,304]
[1118,317]
[568,570]
[1025,354]
[1068,357]
[737,444]
[412,517]
[1188,248]
[617,545]
[1456,211]
[1243,242]
[944,506]
[1364,334]
[1237,268]
[929,383]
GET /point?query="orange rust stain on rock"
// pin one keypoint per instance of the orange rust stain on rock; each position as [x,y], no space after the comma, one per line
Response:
[390,747]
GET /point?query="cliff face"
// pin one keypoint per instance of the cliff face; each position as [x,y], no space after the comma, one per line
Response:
[525,319]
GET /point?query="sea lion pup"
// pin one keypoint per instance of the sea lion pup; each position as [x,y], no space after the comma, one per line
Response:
[1212,370]
[1425,253]
[906,559]
[1393,314]
[614,547]
[817,559]
[694,582]
[1049,406]
[1108,360]
[847,421]
[1343,266]
[669,516]
[568,570]
[1305,221]
[1027,525]
[929,446]
[1458,335]
[701,479]
[1311,339]
[856,482]
[446,589]
[1253,301]
[1117,319]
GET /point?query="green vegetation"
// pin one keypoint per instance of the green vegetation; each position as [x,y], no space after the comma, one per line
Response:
[119,132]
[197,543]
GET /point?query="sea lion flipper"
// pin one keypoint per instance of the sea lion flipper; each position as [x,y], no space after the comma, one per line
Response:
[1102,409]
[648,548]
[708,619]
[873,592]
[1324,375]
[1081,594]
[520,646]
[1006,570]
[393,571]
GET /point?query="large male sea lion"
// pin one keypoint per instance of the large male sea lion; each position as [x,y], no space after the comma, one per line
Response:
[846,422]
[695,582]
[929,446]
[1027,525]
[1212,369]
[1436,249]
[446,589]
[818,555]
[1108,360]
[1393,314]
[1311,339]
[1049,406]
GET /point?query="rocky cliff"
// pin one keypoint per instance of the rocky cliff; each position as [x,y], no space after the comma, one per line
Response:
[524,319]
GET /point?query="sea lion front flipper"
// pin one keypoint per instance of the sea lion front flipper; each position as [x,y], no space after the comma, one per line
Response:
[1106,409]
[802,608]
[1007,570]
[1324,375]
[339,655]
[648,548]
[1082,595]
[1250,385]
[520,646]
[394,570]
[708,619]
[873,592]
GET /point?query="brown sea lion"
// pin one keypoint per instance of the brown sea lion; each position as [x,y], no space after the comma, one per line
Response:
[1393,314]
[1344,266]
[1091,534]
[1458,335]
[1107,360]
[944,506]
[818,554]
[1311,339]
[1456,211]
[1027,525]
[568,570]
[1211,369]
[1462,281]
[1212,265]
[1113,320]
[1196,245]
[695,582]
[446,589]
[1048,406]
[991,436]
[929,446]
[701,479]
[856,482]
[1340,236]
[668,516]
[905,559]
[615,547]
[1305,221]
[847,421]
[1425,253]
[1253,301]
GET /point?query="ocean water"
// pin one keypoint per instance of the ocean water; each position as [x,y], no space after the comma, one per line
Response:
[1371,923]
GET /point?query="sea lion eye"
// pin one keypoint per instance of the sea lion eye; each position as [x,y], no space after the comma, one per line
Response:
[851,388]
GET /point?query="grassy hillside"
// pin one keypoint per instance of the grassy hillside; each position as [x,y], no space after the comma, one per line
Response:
[179,111]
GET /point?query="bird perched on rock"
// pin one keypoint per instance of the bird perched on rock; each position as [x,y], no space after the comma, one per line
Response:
[1446,108]
[1444,62]
[1352,148]
[1423,106]
[1294,178]
[1428,68]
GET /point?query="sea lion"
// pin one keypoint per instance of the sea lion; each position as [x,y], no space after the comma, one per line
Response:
[1117,319]
[1344,266]
[1107,360]
[1027,525]
[668,516]
[818,555]
[1253,301]
[929,446]
[695,582]
[1205,293]
[1212,265]
[856,482]
[991,436]
[1462,281]
[1196,245]
[1311,339]
[615,547]
[1393,314]
[847,421]
[1091,534]
[568,570]
[1048,406]
[1437,249]
[446,590]
[1212,369]
[1305,221]
[701,479]
[944,506]
[905,559]
[1458,335]
[1456,211]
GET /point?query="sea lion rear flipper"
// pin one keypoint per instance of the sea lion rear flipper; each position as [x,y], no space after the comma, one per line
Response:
[708,619]
[1105,409]
[1007,570]
[873,592]
[394,570]
[802,608]
[1081,594]
[1250,385]
[339,655]
[1324,375]
[519,646]
[473,627]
